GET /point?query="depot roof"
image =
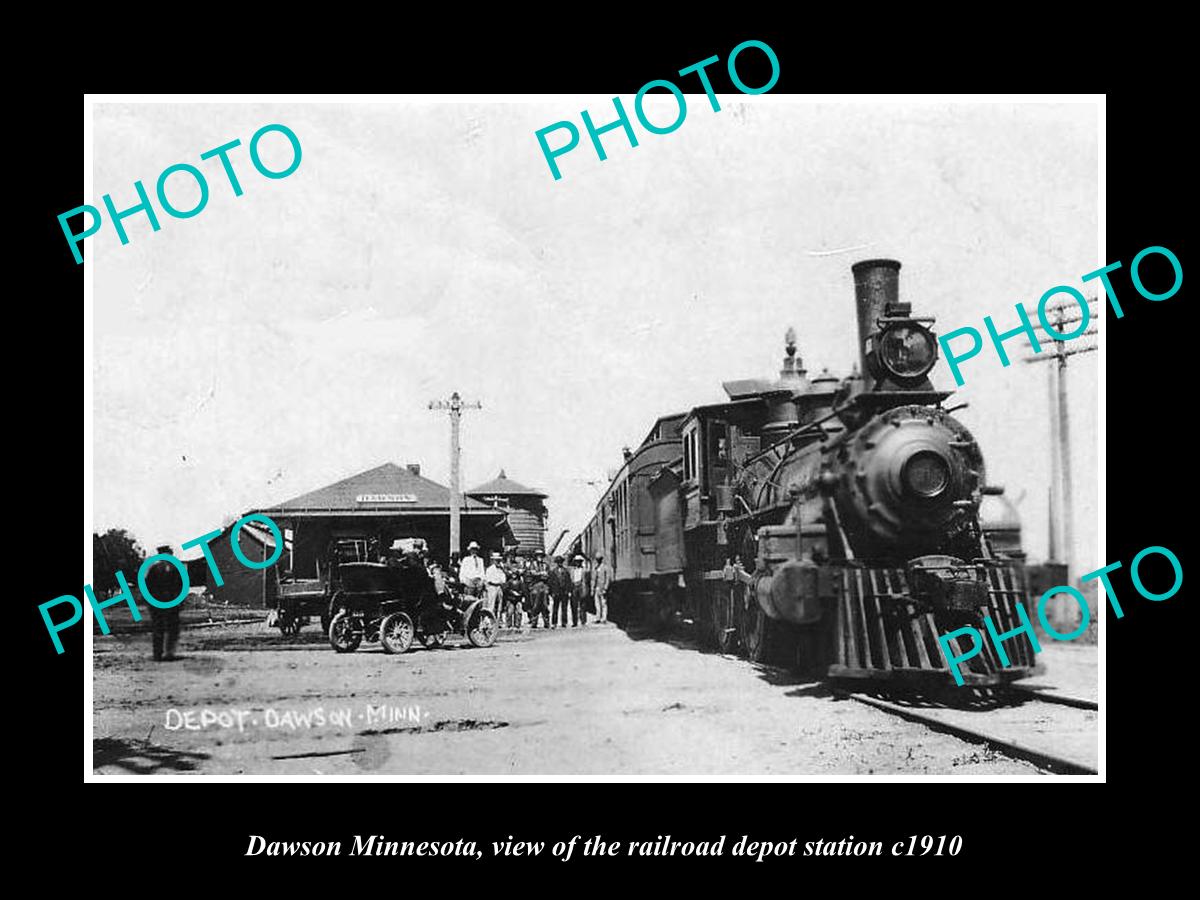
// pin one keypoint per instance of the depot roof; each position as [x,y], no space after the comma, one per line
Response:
[387,490]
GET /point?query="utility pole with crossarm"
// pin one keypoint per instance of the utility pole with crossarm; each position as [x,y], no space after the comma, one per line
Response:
[1063,316]
[455,405]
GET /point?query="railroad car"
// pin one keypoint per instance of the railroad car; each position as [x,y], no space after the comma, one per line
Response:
[624,526]
[837,525]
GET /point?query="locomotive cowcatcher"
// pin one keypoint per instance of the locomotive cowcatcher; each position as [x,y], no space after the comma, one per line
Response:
[837,525]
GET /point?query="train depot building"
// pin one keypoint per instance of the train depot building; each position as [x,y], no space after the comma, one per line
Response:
[360,516]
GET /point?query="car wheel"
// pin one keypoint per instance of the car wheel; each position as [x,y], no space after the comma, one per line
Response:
[482,631]
[344,637]
[396,633]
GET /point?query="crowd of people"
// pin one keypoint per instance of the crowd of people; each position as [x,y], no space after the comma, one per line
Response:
[522,590]
[518,590]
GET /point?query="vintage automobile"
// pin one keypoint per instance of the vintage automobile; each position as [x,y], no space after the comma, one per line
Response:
[394,604]
[368,596]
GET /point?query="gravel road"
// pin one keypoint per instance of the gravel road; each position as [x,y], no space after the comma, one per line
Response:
[595,700]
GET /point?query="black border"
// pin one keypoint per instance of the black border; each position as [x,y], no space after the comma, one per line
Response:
[1147,484]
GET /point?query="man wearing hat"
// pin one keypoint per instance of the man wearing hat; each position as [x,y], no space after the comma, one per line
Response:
[560,592]
[164,583]
[471,571]
[602,576]
[493,580]
[537,577]
[515,600]
[580,598]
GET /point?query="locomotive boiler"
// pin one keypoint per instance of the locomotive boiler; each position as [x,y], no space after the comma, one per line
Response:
[831,524]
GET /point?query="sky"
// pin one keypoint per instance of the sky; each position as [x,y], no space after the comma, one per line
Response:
[293,336]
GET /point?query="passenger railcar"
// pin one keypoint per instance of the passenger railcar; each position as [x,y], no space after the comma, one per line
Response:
[624,526]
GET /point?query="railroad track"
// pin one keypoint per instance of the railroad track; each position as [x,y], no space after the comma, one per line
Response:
[1055,698]
[1055,733]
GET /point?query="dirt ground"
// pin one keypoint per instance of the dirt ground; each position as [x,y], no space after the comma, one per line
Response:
[595,700]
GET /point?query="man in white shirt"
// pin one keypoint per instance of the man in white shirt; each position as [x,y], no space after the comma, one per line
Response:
[494,579]
[579,597]
[602,577]
[471,571]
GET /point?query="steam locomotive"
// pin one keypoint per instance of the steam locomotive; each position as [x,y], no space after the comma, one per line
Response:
[835,525]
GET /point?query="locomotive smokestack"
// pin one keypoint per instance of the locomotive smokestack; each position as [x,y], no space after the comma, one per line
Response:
[876,284]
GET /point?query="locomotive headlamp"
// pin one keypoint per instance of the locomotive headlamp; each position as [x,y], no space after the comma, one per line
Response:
[926,474]
[907,350]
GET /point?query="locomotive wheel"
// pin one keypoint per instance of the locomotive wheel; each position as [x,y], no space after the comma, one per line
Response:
[753,628]
[396,633]
[765,640]
[482,630]
[739,618]
[705,632]
[724,605]
[343,636]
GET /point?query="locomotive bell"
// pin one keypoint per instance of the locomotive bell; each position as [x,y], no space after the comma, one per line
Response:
[821,398]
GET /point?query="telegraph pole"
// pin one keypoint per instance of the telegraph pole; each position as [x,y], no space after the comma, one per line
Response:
[1055,474]
[455,405]
[1063,316]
